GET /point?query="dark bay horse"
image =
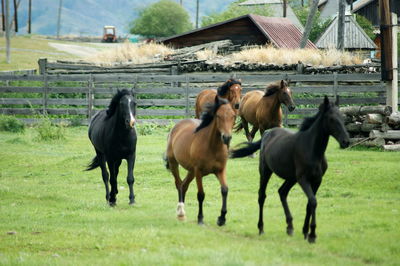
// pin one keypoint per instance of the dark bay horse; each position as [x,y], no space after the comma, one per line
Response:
[263,110]
[297,158]
[201,147]
[113,136]
[230,90]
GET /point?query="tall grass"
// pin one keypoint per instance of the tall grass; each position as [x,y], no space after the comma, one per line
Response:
[131,53]
[282,56]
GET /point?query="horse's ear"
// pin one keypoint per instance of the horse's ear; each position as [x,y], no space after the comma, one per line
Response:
[282,84]
[337,100]
[326,102]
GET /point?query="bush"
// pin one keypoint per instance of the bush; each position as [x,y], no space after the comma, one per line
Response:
[11,124]
[48,131]
[146,128]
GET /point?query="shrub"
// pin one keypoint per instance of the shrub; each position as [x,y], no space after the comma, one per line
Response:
[146,128]
[11,124]
[48,131]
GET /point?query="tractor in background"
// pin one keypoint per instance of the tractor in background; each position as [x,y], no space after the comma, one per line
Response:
[109,34]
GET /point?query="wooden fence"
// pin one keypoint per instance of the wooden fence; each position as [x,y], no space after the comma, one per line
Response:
[162,98]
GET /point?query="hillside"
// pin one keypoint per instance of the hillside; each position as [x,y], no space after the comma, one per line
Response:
[87,17]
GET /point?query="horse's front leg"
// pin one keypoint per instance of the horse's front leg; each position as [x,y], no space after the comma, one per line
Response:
[310,191]
[113,168]
[200,196]
[265,174]
[130,178]
[224,193]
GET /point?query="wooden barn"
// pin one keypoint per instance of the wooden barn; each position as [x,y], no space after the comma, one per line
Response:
[355,37]
[245,30]
[370,10]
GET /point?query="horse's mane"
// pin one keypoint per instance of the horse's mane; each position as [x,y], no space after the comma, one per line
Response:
[308,121]
[225,87]
[115,100]
[272,88]
[209,112]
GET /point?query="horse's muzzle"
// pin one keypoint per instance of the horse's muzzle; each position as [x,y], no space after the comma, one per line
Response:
[226,139]
[130,123]
[344,143]
[291,107]
[236,105]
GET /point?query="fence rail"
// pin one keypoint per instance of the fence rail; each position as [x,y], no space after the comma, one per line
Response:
[161,98]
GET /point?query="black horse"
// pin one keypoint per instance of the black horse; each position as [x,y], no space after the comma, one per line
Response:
[114,138]
[297,157]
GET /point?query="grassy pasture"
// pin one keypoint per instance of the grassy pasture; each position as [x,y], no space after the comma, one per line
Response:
[54,213]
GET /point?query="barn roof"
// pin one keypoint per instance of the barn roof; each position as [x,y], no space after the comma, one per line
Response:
[276,7]
[281,32]
[330,8]
[360,4]
[354,38]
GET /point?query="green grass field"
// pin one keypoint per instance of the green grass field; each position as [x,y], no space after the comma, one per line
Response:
[54,213]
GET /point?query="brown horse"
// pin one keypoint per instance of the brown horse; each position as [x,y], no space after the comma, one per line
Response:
[263,110]
[230,90]
[201,147]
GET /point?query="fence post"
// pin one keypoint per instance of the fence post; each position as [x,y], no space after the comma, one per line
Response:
[335,84]
[90,96]
[42,65]
[285,110]
[135,85]
[45,93]
[187,96]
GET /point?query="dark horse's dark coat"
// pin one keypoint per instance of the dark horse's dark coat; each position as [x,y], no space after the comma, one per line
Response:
[114,138]
[297,158]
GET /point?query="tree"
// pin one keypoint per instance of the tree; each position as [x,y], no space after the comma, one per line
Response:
[309,23]
[161,19]
[233,11]
[319,25]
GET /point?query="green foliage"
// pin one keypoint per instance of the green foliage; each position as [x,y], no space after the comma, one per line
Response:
[47,131]
[233,11]
[11,124]
[366,25]
[146,128]
[319,25]
[161,19]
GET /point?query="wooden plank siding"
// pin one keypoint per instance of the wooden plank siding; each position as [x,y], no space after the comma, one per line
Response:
[163,98]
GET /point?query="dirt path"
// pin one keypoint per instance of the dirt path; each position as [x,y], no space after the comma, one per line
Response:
[81,50]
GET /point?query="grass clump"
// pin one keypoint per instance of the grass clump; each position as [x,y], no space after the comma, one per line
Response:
[145,129]
[48,131]
[11,124]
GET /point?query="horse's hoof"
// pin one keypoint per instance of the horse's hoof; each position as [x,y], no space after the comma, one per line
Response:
[181,217]
[200,222]
[112,204]
[261,232]
[311,240]
[132,202]
[289,231]
[221,221]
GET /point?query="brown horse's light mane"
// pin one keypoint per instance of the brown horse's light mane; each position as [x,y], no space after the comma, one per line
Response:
[226,86]
[209,112]
[272,88]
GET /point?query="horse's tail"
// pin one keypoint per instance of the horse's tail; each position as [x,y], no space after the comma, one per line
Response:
[166,162]
[238,126]
[94,164]
[250,148]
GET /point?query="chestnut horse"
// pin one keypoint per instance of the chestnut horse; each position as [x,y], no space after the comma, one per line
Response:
[263,110]
[230,90]
[297,158]
[201,147]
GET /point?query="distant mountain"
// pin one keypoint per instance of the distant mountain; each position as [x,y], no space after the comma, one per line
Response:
[87,17]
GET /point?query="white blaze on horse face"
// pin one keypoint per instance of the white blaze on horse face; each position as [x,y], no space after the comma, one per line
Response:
[132,118]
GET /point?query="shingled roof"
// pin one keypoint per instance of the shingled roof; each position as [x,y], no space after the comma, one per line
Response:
[247,29]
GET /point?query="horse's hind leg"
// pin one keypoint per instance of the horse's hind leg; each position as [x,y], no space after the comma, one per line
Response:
[130,178]
[174,168]
[224,193]
[310,190]
[113,166]
[265,174]
[104,173]
[283,192]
